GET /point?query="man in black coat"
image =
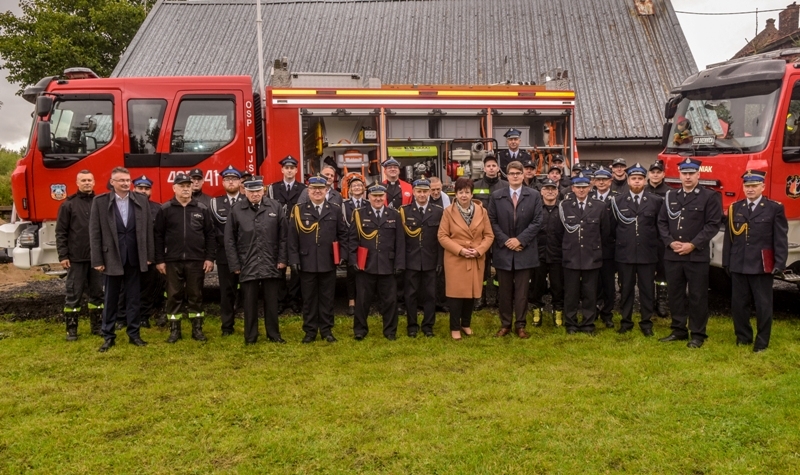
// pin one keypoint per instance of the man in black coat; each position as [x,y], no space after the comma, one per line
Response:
[198,179]
[586,225]
[424,256]
[513,152]
[516,216]
[228,281]
[152,282]
[185,241]
[635,220]
[656,185]
[255,243]
[619,180]
[288,192]
[74,254]
[607,289]
[378,232]
[484,188]
[121,240]
[317,240]
[357,199]
[755,248]
[687,222]
[551,234]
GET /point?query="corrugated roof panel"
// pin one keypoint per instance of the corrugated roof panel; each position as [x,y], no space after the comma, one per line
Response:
[621,65]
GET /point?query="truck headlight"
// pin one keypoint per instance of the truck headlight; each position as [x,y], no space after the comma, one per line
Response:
[29,237]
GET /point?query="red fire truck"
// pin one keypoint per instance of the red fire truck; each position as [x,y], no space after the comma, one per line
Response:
[157,126]
[739,115]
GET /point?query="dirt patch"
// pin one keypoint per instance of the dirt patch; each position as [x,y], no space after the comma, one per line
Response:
[11,276]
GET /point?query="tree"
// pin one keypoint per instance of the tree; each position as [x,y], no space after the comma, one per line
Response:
[52,35]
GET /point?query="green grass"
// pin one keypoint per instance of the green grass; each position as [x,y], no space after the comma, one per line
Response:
[551,404]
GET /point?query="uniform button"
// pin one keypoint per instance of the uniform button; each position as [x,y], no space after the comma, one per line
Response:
[683,209]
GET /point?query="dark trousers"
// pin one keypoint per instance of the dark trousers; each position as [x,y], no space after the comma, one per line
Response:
[512,296]
[382,287]
[460,313]
[289,292]
[420,288]
[351,283]
[267,290]
[580,292]
[554,274]
[632,276]
[607,290]
[228,291]
[488,281]
[318,293]
[748,289]
[691,309]
[152,292]
[81,279]
[441,298]
[185,289]
[130,281]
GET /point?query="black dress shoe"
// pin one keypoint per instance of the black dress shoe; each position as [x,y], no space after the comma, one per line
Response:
[106,345]
[443,308]
[137,342]
[391,337]
[412,334]
[623,331]
[309,339]
[673,337]
[351,310]
[145,323]
[119,326]
[297,309]
[647,332]
[759,350]
[277,340]
[359,337]
[609,323]
[331,339]
[695,343]
[428,334]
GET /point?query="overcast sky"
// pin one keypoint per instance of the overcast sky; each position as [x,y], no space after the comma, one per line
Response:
[711,38]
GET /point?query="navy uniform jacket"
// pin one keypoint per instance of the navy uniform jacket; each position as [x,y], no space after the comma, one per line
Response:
[220,209]
[423,252]
[313,250]
[583,247]
[693,217]
[609,242]
[277,191]
[255,240]
[387,251]
[504,158]
[525,228]
[551,234]
[767,229]
[348,206]
[636,242]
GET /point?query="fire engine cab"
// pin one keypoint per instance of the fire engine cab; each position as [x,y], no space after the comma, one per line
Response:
[739,115]
[158,126]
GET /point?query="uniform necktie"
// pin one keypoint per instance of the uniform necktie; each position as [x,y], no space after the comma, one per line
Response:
[378,214]
[358,203]
[319,209]
[421,210]
[288,187]
[636,199]
[752,206]
[601,199]
[581,205]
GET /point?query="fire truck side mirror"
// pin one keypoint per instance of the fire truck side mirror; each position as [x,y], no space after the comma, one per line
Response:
[44,104]
[665,133]
[43,136]
[671,107]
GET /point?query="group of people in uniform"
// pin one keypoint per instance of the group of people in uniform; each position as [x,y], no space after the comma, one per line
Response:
[408,249]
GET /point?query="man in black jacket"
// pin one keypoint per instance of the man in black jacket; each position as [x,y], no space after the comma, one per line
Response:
[619,182]
[378,232]
[424,255]
[586,224]
[357,199]
[74,253]
[516,216]
[228,281]
[635,220]
[152,281]
[755,248]
[656,185]
[551,234]
[185,248]
[317,239]
[121,237]
[687,222]
[198,179]
[484,187]
[255,242]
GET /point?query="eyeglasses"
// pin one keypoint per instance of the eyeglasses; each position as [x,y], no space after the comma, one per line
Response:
[514,174]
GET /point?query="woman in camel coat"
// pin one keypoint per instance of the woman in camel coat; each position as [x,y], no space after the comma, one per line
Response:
[465,234]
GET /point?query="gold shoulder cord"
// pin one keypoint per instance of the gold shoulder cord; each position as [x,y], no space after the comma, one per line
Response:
[314,228]
[732,227]
[408,231]
[370,236]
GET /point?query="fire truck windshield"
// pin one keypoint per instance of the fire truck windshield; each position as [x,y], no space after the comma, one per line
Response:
[80,127]
[730,119]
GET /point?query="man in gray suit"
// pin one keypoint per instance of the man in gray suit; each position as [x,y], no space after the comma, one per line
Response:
[121,241]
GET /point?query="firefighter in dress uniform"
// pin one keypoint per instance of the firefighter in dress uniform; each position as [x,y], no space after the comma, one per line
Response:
[635,220]
[317,239]
[378,232]
[687,222]
[185,245]
[74,254]
[513,153]
[755,248]
[356,189]
[398,193]
[424,257]
[586,225]
[607,290]
[228,281]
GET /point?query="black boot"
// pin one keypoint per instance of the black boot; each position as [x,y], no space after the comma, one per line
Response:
[145,323]
[96,321]
[161,319]
[197,329]
[72,328]
[662,309]
[174,331]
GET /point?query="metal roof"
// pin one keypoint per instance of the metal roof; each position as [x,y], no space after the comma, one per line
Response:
[621,65]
